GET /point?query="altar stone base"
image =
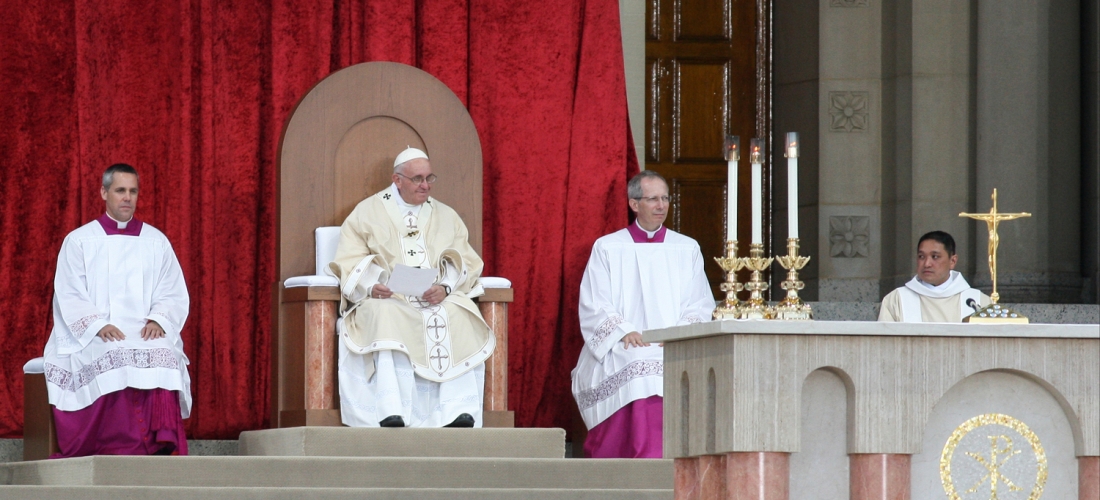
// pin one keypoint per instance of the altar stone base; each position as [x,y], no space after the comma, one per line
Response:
[880,411]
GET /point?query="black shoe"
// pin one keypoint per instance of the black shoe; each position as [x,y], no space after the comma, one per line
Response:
[463,420]
[392,421]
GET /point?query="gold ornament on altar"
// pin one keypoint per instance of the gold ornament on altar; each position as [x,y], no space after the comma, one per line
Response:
[756,307]
[730,263]
[995,313]
[792,306]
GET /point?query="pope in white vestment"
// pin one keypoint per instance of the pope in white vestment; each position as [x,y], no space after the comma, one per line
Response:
[938,293]
[414,361]
[115,368]
[639,278]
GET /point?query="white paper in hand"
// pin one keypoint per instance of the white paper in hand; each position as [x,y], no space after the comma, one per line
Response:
[411,281]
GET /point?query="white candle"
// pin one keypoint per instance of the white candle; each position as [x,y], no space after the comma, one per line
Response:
[757,191]
[731,201]
[733,154]
[792,197]
[792,184]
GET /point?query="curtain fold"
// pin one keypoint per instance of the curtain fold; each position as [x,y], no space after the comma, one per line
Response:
[195,93]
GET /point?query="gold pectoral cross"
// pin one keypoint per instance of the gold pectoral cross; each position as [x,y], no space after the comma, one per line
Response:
[992,219]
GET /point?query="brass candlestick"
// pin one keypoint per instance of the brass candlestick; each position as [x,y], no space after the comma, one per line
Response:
[756,308]
[730,263]
[995,313]
[792,307]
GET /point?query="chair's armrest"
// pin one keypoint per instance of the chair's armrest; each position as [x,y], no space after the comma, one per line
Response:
[315,280]
[496,290]
[494,282]
[497,295]
[311,293]
[36,365]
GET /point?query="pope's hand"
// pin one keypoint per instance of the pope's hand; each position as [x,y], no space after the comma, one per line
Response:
[633,339]
[152,330]
[435,294]
[110,333]
[380,291]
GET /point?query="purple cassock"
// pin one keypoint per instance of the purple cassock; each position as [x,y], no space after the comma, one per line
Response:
[632,432]
[124,422]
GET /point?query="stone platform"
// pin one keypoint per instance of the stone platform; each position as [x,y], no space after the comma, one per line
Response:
[359,463]
[362,442]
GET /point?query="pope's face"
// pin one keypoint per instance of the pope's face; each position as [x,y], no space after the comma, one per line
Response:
[933,264]
[414,193]
[121,197]
[653,207]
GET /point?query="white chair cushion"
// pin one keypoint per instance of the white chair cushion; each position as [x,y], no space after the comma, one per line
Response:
[311,281]
[36,365]
[326,239]
[494,282]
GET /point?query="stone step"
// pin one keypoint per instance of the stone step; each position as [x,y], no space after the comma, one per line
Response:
[376,442]
[224,493]
[344,472]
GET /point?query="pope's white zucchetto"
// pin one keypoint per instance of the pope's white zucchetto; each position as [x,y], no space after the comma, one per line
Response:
[409,154]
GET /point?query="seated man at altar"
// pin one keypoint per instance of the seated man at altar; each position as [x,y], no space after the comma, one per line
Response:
[409,360]
[115,368]
[642,277]
[938,293]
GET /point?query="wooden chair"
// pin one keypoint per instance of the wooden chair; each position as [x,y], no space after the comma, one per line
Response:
[338,148]
[39,435]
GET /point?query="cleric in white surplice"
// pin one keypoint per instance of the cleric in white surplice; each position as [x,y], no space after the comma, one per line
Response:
[115,368]
[409,361]
[639,278]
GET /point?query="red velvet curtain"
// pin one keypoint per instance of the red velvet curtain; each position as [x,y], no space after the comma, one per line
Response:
[194,93]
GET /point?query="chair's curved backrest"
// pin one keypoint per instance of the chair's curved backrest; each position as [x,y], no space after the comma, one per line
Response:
[339,145]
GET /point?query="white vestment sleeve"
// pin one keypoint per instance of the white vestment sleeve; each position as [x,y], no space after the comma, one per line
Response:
[453,272]
[362,279]
[170,302]
[698,303]
[448,274]
[601,324]
[81,317]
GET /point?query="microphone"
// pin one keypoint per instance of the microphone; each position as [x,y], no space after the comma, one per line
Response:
[973,304]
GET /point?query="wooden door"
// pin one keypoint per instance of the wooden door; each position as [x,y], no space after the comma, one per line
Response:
[707,76]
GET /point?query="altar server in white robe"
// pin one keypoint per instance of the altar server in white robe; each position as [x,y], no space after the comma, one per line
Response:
[643,277]
[115,368]
[938,293]
[407,360]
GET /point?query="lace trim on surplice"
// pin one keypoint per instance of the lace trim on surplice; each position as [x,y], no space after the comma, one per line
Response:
[80,326]
[637,369]
[692,319]
[609,325]
[112,360]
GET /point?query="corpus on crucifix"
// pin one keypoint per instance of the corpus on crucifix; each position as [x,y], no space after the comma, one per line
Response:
[992,219]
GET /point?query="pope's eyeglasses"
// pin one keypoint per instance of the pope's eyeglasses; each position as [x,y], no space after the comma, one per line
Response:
[420,179]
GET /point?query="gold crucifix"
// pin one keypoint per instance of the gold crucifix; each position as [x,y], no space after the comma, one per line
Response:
[992,219]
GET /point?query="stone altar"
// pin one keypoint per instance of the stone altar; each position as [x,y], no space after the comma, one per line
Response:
[866,410]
